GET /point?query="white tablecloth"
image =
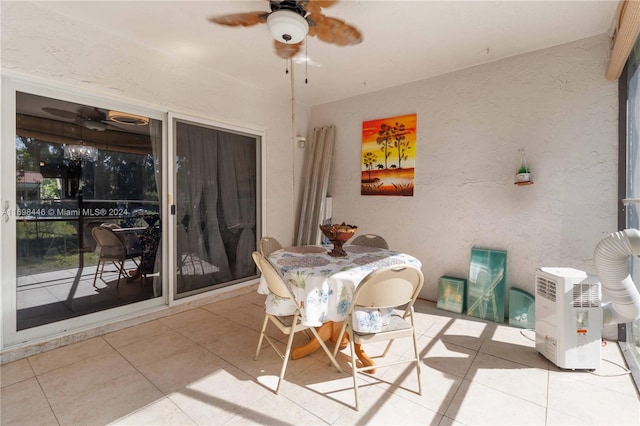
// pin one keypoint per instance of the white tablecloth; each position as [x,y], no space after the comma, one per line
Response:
[326,284]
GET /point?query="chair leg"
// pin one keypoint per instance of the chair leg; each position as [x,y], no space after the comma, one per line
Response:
[326,349]
[354,370]
[287,353]
[264,327]
[120,272]
[95,276]
[415,352]
[386,349]
[340,336]
[102,270]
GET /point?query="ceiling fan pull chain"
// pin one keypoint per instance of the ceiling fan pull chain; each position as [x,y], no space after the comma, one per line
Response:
[286,66]
[306,60]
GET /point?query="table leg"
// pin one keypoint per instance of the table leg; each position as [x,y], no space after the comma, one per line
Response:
[331,330]
[364,358]
[324,331]
[335,332]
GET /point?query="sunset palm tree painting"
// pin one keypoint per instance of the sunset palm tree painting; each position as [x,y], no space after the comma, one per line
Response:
[388,156]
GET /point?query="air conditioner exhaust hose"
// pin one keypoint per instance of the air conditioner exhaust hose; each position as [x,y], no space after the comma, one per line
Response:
[611,259]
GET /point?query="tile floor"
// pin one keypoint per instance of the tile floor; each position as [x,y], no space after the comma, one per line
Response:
[197,367]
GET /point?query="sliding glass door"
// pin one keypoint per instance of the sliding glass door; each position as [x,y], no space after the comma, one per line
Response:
[81,167]
[98,226]
[216,205]
[632,183]
[629,189]
[74,169]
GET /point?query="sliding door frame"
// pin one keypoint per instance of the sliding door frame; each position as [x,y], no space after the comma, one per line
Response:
[84,326]
[10,337]
[624,330]
[239,128]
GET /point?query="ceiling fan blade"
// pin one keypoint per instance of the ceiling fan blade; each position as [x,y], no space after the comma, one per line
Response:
[322,3]
[329,30]
[61,113]
[91,113]
[315,6]
[98,126]
[335,31]
[286,51]
[241,19]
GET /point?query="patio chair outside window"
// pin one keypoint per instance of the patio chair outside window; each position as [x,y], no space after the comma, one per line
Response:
[110,248]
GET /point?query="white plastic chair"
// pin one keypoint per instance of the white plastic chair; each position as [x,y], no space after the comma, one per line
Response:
[389,287]
[268,245]
[288,325]
[370,240]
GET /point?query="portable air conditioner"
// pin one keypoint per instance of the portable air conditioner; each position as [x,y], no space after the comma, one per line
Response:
[568,320]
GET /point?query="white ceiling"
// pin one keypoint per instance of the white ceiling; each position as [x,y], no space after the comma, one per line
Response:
[404,41]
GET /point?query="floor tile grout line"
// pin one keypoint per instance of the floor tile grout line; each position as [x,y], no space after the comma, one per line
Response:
[224,360]
[164,395]
[216,355]
[546,372]
[239,367]
[44,393]
[546,408]
[481,349]
[409,399]
[47,399]
[65,365]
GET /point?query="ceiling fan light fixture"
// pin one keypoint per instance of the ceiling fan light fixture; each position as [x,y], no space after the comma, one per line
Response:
[126,118]
[287,26]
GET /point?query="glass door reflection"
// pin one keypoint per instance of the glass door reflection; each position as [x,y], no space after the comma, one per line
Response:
[78,169]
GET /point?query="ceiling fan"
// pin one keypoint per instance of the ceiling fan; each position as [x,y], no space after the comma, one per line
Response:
[291,21]
[96,119]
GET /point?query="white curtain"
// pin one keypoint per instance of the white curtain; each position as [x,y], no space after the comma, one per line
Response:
[216,206]
[317,166]
[202,245]
[238,193]
[155,133]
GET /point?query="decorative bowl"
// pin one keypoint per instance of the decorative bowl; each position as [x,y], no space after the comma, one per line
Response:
[338,235]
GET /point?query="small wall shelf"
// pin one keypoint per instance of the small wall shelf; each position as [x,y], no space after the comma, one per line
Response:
[523,175]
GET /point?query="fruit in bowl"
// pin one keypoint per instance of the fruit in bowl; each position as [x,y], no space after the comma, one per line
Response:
[338,235]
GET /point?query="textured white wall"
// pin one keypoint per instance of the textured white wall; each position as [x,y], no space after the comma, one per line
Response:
[554,103]
[55,48]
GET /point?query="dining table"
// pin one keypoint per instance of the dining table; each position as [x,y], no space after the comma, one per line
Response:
[142,242]
[323,285]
